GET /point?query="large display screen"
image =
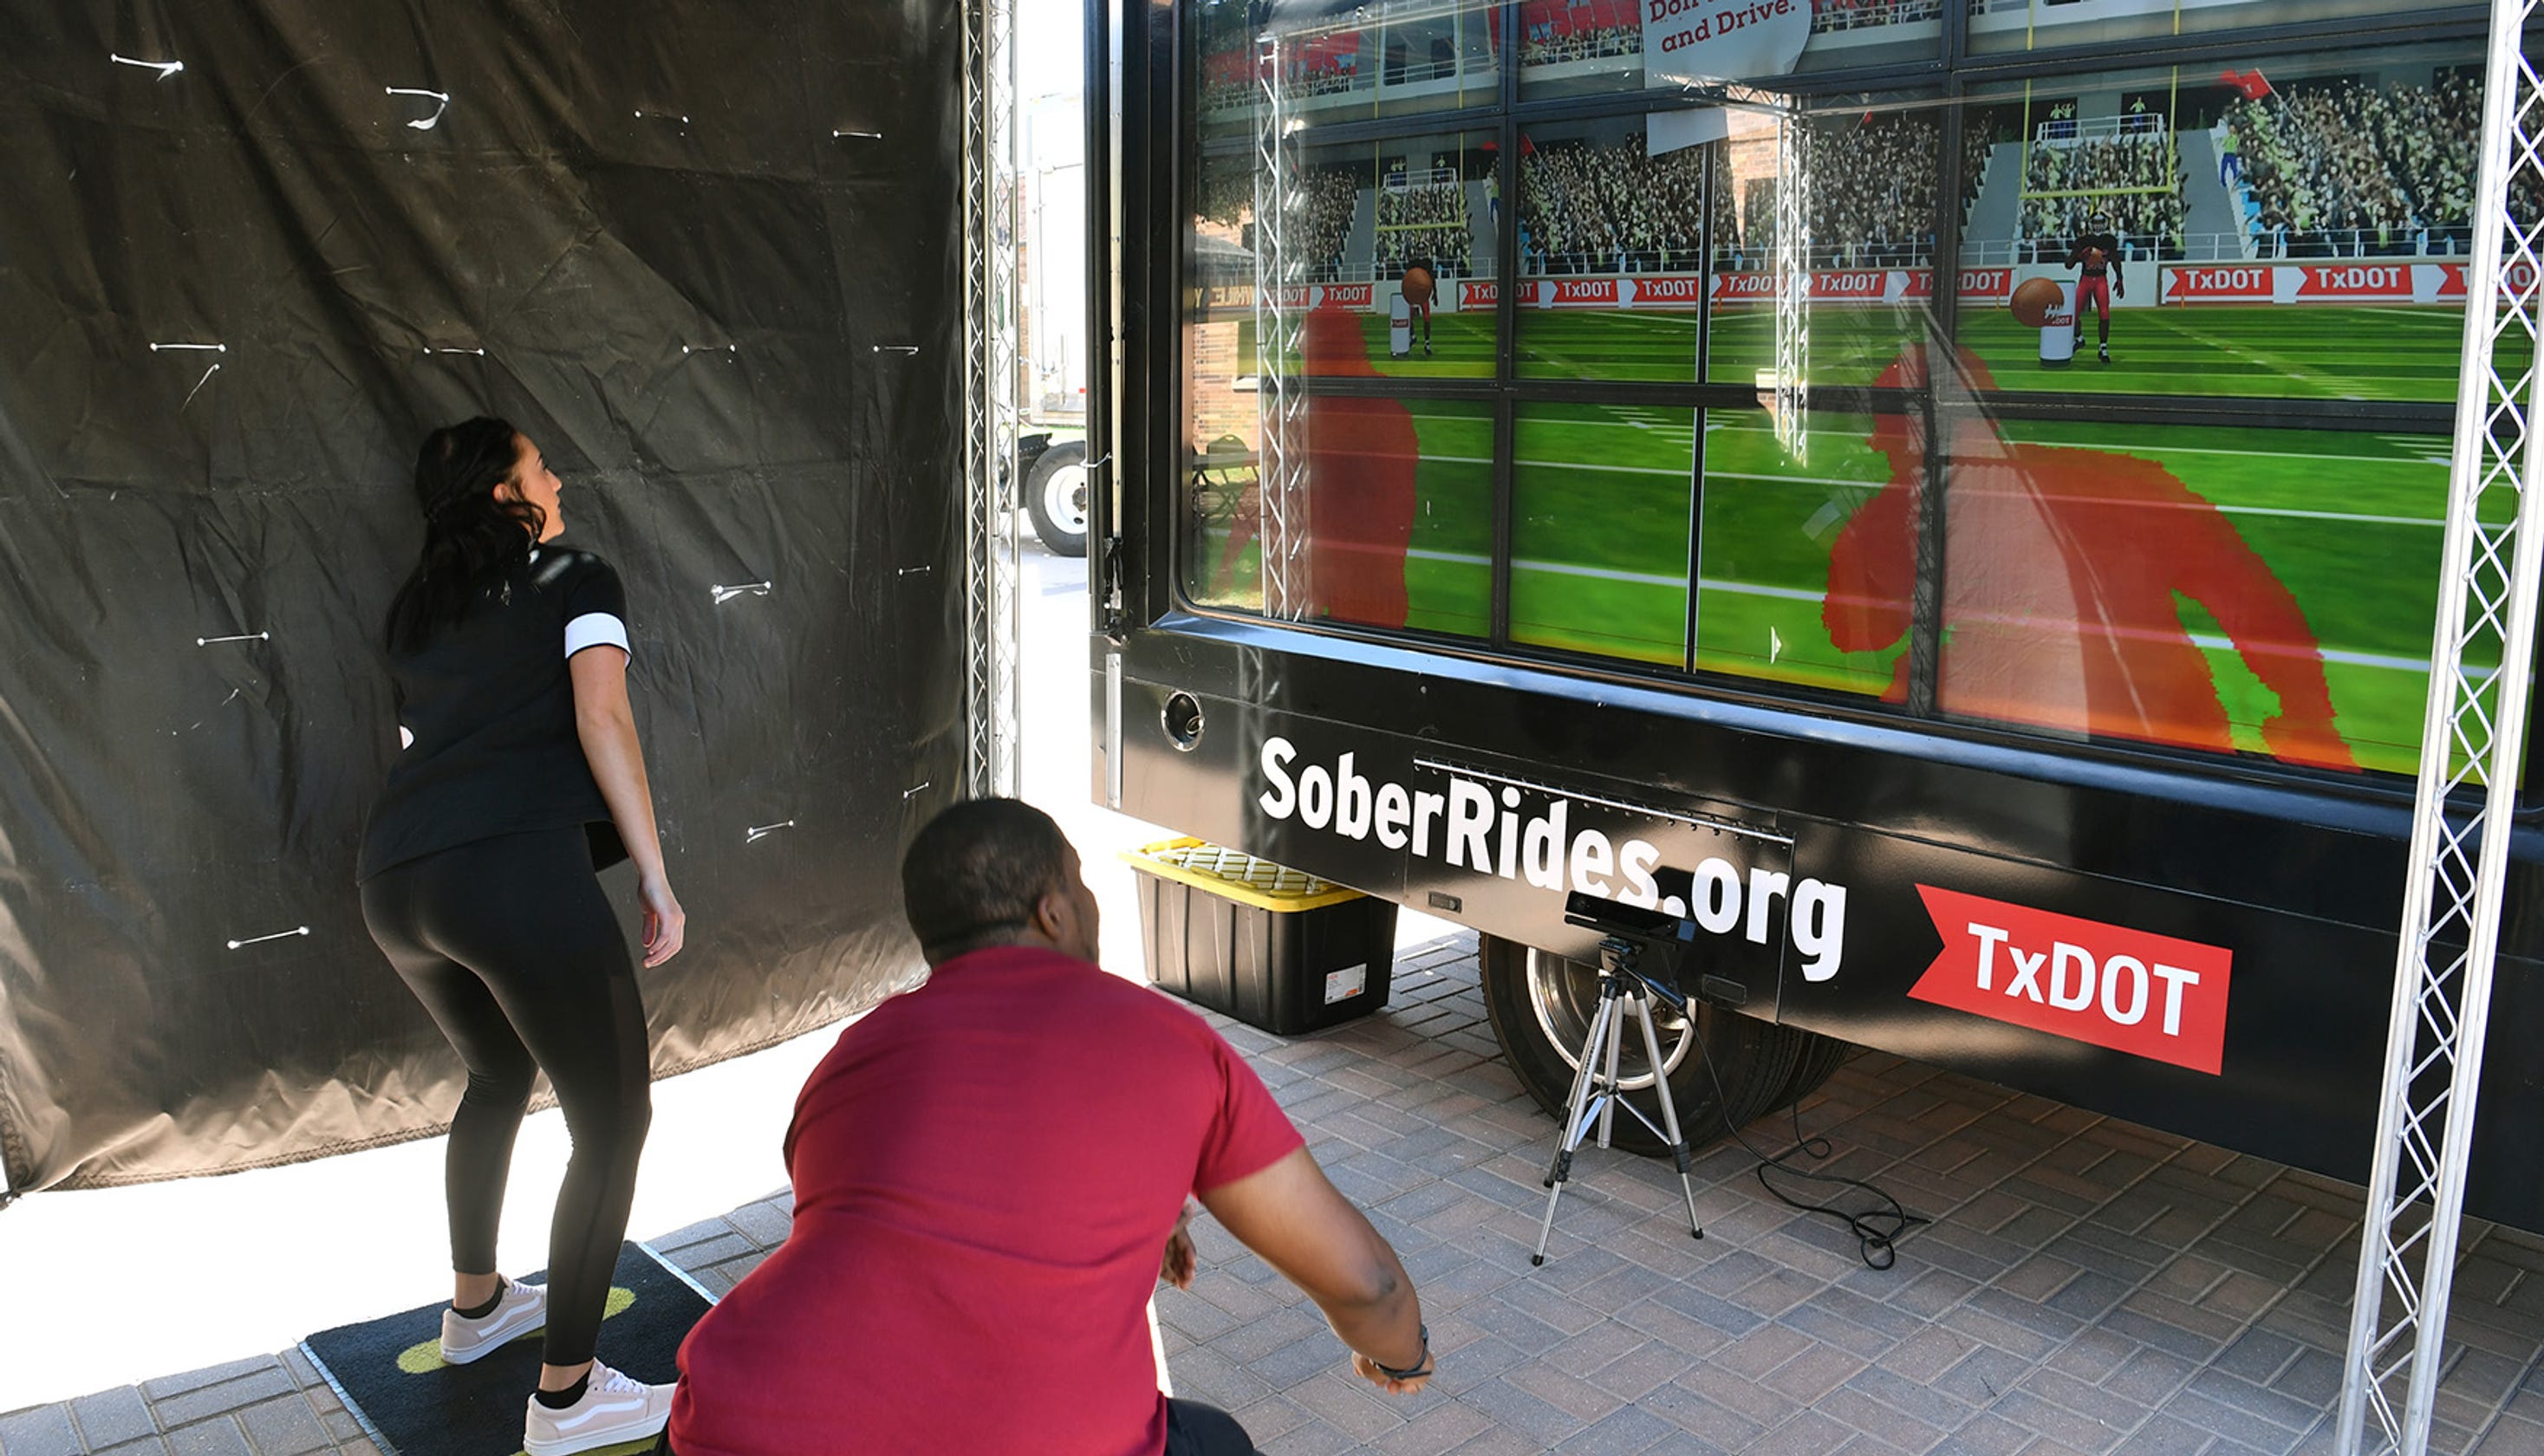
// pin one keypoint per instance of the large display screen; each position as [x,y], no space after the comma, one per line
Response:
[2282,238]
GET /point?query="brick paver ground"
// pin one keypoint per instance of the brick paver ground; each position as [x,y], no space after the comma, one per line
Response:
[2085,1286]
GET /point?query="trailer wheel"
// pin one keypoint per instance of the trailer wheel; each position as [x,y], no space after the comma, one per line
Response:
[1540,1007]
[1820,1058]
[1056,498]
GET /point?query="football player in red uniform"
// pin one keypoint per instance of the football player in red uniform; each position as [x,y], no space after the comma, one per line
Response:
[2099,254]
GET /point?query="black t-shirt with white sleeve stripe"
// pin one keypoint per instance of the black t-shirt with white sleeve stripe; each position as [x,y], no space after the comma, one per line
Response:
[486,708]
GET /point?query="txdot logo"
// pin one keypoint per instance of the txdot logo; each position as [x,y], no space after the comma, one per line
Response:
[2148,995]
[1677,290]
[1849,286]
[1471,827]
[2252,281]
[2386,278]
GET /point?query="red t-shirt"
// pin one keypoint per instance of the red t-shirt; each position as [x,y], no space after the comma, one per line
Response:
[985,1172]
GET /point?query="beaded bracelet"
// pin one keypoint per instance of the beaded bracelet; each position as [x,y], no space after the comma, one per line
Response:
[1419,1367]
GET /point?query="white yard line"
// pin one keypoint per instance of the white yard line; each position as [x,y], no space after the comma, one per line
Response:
[2290,513]
[2028,439]
[1718,422]
[2182,328]
[1552,569]
[2207,640]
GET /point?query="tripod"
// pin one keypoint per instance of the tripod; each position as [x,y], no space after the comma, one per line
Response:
[1596,1089]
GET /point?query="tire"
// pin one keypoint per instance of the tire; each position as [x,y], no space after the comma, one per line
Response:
[1056,498]
[1820,1058]
[1029,449]
[1540,1005]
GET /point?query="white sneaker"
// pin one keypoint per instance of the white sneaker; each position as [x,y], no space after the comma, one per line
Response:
[612,1410]
[522,1308]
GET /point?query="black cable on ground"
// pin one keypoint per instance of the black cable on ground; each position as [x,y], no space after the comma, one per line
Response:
[1877,1230]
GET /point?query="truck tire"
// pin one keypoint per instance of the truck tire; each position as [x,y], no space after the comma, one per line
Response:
[1018,464]
[1056,498]
[1541,1005]
[1820,1058]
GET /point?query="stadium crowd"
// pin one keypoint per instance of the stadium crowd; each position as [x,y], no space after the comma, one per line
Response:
[1325,74]
[2347,170]
[1587,209]
[1553,31]
[1725,227]
[1872,192]
[1589,43]
[1223,190]
[2136,183]
[1873,197]
[1425,219]
[1226,79]
[1861,14]
[1320,220]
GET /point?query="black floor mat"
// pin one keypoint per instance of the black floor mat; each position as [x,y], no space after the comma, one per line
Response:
[390,1373]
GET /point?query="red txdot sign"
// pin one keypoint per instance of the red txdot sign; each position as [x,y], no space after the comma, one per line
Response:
[2147,995]
[2356,281]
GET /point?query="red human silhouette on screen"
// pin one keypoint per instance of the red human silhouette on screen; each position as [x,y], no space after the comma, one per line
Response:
[2061,571]
[1361,456]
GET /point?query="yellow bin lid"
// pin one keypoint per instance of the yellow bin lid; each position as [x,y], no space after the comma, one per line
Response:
[1237,876]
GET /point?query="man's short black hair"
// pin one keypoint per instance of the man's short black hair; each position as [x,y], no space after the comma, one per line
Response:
[978,867]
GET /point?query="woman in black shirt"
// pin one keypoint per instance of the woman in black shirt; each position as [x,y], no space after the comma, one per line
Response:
[520,776]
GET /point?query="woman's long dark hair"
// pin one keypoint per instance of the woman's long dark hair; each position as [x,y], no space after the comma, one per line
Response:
[472,540]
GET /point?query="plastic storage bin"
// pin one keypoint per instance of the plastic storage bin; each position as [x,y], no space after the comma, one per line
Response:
[1271,946]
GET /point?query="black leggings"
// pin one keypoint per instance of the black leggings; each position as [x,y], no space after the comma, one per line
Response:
[1196,1430]
[512,947]
[1192,1430]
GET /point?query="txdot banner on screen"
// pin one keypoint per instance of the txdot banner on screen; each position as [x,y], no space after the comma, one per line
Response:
[1661,293]
[2363,280]
[1987,285]
[1832,286]
[2339,280]
[1666,291]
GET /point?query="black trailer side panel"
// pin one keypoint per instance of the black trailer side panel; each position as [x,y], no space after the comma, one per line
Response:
[2264,907]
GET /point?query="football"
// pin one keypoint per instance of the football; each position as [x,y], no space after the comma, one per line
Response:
[2034,299]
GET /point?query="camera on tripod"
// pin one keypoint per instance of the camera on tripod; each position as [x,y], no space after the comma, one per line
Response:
[1640,953]
[1650,945]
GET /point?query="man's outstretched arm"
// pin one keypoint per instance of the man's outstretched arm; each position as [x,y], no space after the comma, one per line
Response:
[2216,568]
[1306,1229]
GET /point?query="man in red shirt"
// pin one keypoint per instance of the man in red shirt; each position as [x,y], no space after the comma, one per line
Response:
[989,1177]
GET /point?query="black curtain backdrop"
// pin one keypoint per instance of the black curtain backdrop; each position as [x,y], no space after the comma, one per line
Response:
[706,255]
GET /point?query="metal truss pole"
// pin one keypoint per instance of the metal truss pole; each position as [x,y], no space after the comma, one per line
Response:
[1281,463]
[1793,262]
[2470,747]
[992,626]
